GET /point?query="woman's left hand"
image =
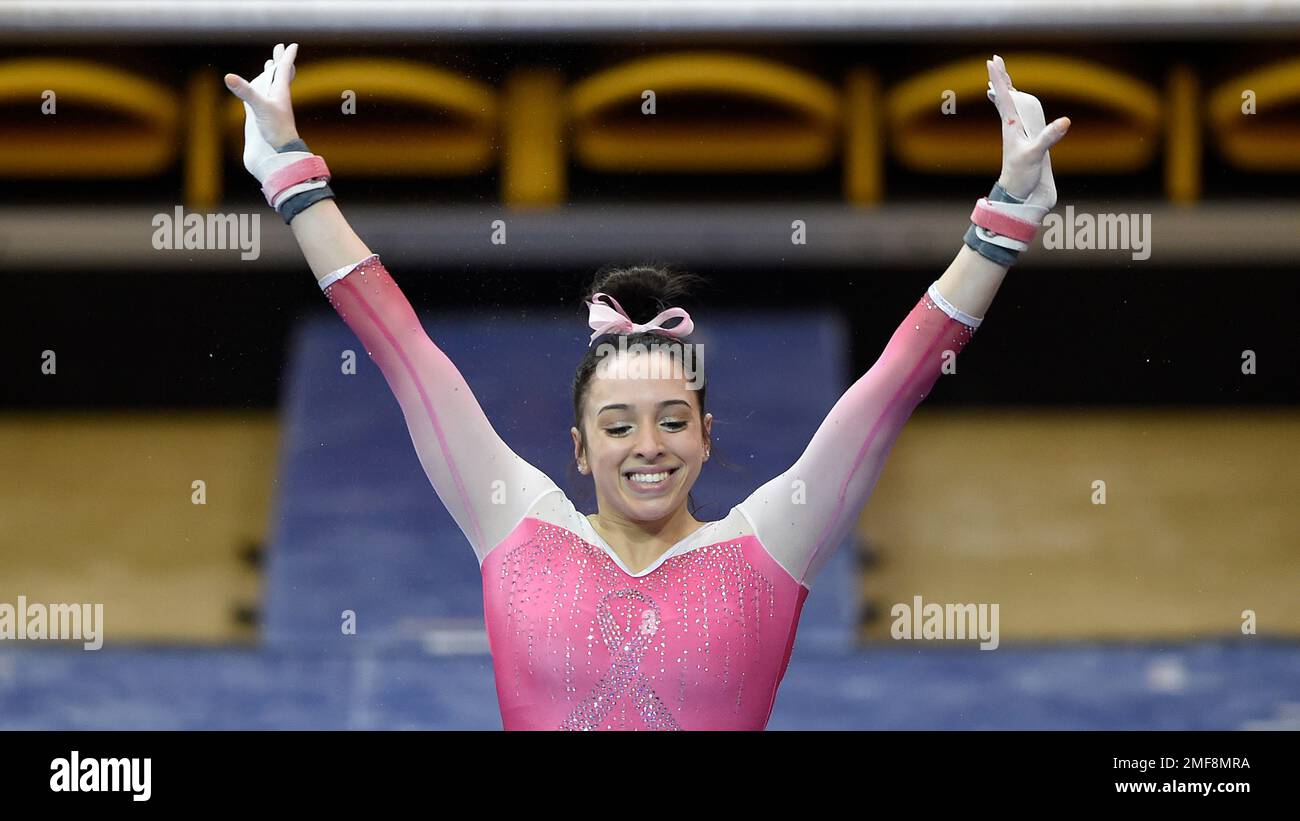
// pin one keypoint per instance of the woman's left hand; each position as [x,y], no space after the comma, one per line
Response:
[1026,165]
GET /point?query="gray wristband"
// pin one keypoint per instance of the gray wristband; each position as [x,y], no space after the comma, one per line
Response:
[1002,256]
[298,203]
[1000,194]
[293,145]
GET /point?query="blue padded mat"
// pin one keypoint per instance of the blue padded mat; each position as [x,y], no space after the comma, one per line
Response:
[1242,683]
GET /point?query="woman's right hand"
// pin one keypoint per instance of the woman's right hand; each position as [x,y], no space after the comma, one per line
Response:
[1026,164]
[268,109]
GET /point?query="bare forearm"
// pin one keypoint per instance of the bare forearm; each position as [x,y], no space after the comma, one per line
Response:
[971,281]
[326,239]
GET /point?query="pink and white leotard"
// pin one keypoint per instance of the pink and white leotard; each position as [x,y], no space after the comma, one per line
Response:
[699,640]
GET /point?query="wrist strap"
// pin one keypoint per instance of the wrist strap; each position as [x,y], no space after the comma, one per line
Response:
[298,203]
[285,170]
[295,199]
[1005,221]
[1009,212]
[295,144]
[283,197]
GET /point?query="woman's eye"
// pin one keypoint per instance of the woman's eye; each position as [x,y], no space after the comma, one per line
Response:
[671,424]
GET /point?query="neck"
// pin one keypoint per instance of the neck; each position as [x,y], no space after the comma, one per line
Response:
[641,543]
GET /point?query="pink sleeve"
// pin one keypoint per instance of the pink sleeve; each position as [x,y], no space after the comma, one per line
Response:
[805,512]
[483,484]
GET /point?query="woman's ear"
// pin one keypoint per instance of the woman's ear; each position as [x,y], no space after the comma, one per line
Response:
[577,448]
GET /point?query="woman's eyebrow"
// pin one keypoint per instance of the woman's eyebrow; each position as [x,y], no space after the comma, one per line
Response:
[662,404]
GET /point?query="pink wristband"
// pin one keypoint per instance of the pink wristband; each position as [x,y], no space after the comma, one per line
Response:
[999,223]
[305,169]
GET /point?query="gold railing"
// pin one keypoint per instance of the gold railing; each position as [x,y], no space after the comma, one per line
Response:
[713,112]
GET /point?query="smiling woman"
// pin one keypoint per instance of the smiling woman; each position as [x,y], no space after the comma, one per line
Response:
[640,428]
[641,616]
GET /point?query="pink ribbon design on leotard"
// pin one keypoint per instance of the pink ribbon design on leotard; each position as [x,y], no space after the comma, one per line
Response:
[612,319]
[624,675]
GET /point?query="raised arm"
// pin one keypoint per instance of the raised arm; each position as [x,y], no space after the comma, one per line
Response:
[802,514]
[485,486]
[805,512]
[270,137]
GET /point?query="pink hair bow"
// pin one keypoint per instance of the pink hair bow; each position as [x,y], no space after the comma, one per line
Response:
[607,320]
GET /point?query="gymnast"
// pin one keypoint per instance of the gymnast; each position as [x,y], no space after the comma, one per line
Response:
[639,616]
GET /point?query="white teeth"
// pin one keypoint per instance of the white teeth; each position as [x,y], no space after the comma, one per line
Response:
[648,478]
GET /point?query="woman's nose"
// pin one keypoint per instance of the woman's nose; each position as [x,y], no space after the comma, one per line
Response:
[648,444]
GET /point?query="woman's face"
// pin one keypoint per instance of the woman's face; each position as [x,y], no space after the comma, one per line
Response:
[642,422]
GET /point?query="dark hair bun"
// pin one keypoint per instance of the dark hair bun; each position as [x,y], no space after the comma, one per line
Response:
[644,290]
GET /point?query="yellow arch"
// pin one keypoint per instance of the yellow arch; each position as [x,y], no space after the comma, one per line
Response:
[1250,141]
[393,146]
[924,139]
[148,147]
[804,140]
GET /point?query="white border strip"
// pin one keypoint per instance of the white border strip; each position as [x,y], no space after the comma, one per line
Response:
[334,276]
[950,309]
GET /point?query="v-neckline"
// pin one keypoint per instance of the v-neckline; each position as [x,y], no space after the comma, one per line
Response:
[600,542]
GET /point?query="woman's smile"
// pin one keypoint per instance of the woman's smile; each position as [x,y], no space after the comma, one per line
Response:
[649,482]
